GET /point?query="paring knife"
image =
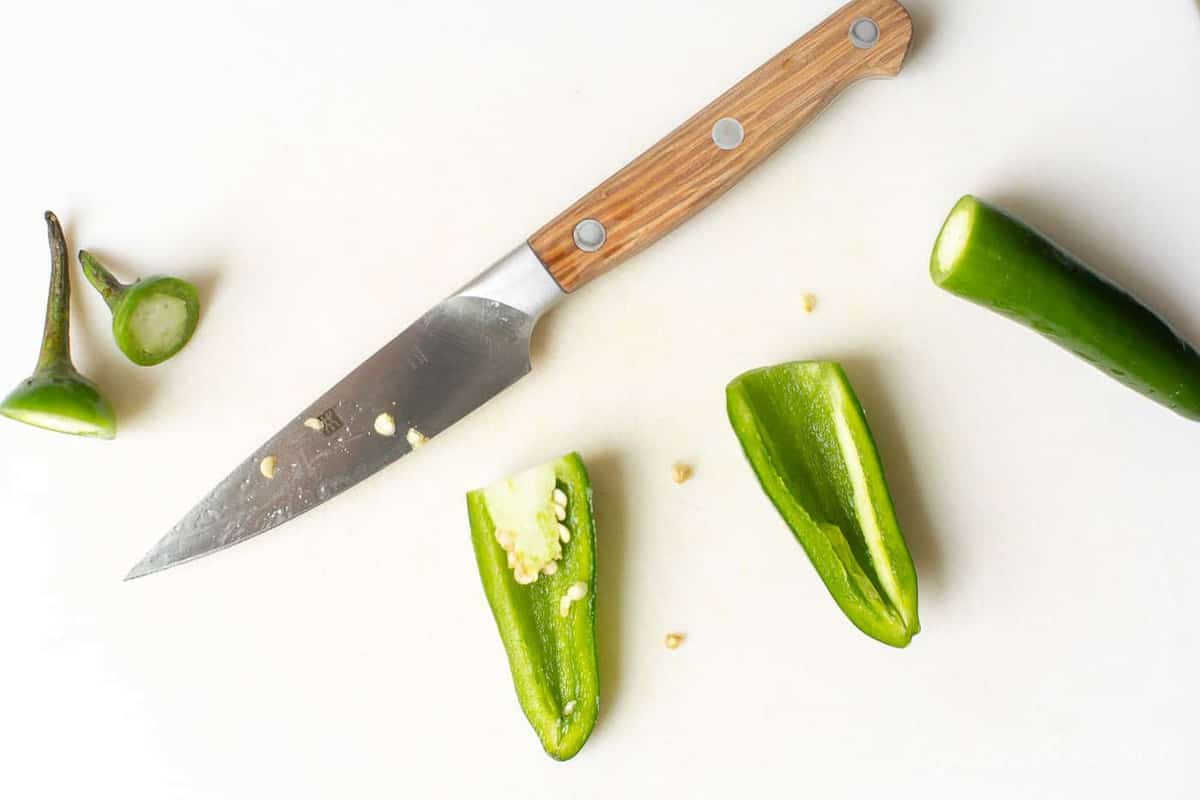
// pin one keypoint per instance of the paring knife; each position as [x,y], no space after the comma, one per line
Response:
[475,343]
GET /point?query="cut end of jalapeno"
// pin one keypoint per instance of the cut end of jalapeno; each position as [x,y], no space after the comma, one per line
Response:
[61,400]
[534,540]
[153,318]
[956,233]
[156,319]
[526,515]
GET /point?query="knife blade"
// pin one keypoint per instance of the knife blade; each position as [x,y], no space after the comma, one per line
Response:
[459,354]
[475,343]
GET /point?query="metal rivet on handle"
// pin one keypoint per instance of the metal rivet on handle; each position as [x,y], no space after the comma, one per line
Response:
[590,235]
[864,33]
[727,133]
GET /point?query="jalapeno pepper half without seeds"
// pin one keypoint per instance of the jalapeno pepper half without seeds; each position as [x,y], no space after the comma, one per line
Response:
[991,258]
[807,439]
[535,544]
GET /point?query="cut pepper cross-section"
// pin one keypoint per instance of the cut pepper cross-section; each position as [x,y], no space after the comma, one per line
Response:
[535,543]
[807,439]
[153,318]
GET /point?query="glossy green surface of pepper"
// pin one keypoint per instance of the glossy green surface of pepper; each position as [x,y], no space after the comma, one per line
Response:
[806,437]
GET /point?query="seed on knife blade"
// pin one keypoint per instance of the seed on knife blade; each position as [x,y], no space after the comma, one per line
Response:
[385,424]
[415,438]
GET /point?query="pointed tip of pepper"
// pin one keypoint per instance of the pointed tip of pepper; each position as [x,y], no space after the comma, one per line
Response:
[50,217]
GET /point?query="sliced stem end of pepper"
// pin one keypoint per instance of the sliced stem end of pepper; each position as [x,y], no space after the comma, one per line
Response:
[56,397]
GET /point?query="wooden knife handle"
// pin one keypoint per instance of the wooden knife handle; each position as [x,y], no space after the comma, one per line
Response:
[687,170]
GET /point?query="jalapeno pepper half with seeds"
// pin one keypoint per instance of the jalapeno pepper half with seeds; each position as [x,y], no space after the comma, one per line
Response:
[807,439]
[535,545]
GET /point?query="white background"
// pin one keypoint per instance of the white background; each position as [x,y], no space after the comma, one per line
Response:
[326,171]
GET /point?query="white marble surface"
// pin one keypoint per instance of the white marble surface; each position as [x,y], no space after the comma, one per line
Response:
[327,171]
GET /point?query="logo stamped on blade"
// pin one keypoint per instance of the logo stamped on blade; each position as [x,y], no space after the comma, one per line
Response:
[331,423]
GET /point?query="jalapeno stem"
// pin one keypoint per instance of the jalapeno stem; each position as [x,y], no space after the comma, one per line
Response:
[98,276]
[56,337]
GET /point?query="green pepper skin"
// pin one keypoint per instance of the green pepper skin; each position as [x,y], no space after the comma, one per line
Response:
[553,659]
[806,437]
[991,258]
[61,400]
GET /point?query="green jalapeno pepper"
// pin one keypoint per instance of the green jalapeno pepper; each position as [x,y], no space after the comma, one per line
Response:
[991,258]
[535,544]
[807,439]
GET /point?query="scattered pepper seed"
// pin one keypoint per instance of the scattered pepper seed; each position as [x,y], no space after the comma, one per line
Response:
[559,497]
[415,438]
[681,473]
[385,424]
[267,467]
[808,302]
[569,707]
[314,423]
[673,640]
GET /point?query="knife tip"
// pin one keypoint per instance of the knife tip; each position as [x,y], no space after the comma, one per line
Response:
[143,567]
